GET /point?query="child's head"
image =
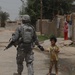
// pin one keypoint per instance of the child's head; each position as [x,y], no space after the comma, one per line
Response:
[53,40]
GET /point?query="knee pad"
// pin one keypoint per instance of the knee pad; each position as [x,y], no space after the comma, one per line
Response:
[19,62]
[29,63]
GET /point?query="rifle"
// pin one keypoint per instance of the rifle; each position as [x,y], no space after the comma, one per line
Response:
[15,44]
[9,45]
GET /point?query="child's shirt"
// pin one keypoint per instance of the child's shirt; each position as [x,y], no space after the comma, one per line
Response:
[54,50]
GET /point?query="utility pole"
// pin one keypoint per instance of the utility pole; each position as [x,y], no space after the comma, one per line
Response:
[41,17]
[58,3]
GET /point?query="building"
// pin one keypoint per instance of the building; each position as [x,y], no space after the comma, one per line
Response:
[18,20]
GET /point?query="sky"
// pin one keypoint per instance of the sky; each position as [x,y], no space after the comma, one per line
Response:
[12,7]
[74,2]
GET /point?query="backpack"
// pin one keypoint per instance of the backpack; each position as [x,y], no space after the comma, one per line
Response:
[27,33]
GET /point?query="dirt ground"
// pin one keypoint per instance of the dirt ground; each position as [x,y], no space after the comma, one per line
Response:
[41,64]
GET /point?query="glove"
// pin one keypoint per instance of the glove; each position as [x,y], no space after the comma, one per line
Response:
[40,47]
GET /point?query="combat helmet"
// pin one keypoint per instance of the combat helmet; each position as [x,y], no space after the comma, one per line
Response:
[26,18]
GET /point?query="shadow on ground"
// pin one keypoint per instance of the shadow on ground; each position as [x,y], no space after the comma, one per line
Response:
[66,65]
[53,74]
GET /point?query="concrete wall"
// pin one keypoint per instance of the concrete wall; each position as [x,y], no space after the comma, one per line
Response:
[73,27]
[11,26]
[61,29]
[49,28]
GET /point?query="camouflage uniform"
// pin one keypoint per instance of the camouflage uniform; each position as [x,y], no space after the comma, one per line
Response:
[25,56]
[24,50]
[25,53]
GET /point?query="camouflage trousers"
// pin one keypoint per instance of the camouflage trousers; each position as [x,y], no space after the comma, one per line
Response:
[28,58]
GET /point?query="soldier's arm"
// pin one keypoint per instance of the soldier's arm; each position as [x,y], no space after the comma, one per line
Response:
[16,35]
[37,42]
[35,38]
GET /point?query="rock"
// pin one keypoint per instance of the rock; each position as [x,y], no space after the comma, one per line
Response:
[60,43]
[68,42]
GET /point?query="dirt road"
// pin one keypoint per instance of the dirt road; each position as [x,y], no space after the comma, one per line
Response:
[41,64]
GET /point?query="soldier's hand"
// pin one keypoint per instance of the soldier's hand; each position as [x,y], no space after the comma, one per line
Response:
[5,49]
[41,47]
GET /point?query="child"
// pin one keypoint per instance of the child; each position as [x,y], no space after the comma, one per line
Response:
[54,50]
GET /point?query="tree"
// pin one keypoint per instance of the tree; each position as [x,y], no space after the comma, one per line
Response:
[3,16]
[32,9]
[54,7]
[0,9]
[50,8]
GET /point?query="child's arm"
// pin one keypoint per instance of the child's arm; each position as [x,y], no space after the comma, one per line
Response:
[47,50]
[57,50]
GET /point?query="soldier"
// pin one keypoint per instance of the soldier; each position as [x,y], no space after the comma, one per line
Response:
[26,37]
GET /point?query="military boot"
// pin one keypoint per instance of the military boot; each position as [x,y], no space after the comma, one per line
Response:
[17,74]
